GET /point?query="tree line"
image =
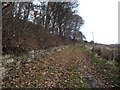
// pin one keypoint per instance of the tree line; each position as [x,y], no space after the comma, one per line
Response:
[30,24]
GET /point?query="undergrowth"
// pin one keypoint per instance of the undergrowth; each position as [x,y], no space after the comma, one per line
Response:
[103,67]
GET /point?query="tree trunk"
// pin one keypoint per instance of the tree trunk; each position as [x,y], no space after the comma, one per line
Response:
[47,17]
[27,12]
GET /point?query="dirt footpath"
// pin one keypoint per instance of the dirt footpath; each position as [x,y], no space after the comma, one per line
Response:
[65,68]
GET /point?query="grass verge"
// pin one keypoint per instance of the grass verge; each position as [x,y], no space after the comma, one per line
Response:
[104,67]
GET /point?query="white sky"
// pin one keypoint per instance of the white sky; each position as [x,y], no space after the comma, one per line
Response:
[101,18]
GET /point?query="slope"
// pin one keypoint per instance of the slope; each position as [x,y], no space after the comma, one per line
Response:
[71,67]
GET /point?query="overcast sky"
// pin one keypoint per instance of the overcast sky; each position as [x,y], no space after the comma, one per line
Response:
[101,18]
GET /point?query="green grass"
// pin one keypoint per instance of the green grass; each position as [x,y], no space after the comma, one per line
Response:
[81,47]
[74,79]
[103,67]
[110,71]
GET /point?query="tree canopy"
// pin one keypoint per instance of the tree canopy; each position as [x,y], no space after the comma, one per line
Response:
[41,23]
